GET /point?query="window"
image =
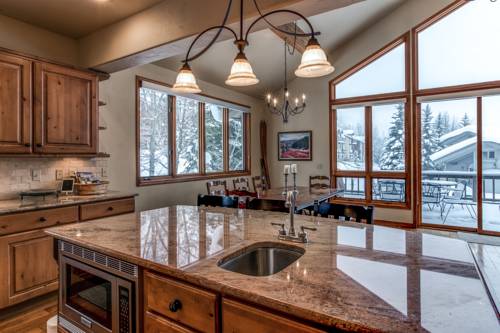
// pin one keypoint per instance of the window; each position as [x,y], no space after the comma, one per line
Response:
[182,138]
[370,129]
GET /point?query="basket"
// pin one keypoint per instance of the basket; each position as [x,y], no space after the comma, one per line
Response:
[92,189]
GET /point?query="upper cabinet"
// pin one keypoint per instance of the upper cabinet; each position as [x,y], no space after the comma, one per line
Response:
[15,104]
[59,117]
[65,110]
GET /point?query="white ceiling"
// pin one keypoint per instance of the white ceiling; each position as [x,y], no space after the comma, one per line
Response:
[73,18]
[265,51]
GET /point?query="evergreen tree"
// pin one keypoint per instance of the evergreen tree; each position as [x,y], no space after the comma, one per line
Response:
[446,123]
[393,155]
[213,138]
[439,129]
[429,142]
[465,121]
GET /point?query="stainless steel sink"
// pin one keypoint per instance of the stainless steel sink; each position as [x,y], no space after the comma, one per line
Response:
[262,259]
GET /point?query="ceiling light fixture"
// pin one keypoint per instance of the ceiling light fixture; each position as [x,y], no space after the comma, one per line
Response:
[314,62]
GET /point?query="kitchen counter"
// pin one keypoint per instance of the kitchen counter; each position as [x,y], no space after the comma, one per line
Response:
[37,203]
[352,276]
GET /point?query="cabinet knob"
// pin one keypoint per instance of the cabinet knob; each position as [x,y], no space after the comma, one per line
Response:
[27,145]
[175,305]
[110,208]
[42,219]
[38,145]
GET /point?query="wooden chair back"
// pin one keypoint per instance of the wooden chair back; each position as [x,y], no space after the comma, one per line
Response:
[268,205]
[259,183]
[319,182]
[217,187]
[217,201]
[347,212]
[241,184]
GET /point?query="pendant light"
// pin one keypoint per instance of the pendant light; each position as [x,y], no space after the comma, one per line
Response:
[314,62]
[186,82]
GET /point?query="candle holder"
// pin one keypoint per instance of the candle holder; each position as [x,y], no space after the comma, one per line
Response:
[295,182]
[286,184]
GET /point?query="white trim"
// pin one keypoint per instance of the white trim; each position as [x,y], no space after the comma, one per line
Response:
[363,104]
[460,95]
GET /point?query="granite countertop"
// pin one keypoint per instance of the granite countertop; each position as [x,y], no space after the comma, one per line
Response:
[352,276]
[37,203]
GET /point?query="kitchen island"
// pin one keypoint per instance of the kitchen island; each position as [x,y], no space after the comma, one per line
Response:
[351,277]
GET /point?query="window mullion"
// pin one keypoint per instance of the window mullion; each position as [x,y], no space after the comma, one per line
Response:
[225,139]
[201,139]
[368,154]
[173,137]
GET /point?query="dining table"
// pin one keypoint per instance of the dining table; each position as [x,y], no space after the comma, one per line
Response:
[306,196]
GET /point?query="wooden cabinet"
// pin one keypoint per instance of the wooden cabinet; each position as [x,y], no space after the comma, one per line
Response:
[27,265]
[65,110]
[15,104]
[240,318]
[181,303]
[156,324]
[107,208]
[46,108]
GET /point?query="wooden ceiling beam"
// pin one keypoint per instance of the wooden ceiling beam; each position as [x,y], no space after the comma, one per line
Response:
[299,43]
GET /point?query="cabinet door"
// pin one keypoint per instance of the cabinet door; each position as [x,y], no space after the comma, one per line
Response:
[15,104]
[27,265]
[65,110]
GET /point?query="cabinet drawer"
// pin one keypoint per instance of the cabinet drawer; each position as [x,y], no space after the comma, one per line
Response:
[107,208]
[156,324]
[237,317]
[196,308]
[38,219]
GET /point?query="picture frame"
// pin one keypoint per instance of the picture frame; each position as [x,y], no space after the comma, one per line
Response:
[295,146]
[67,186]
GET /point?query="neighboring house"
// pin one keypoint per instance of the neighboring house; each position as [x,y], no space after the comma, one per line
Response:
[350,147]
[458,135]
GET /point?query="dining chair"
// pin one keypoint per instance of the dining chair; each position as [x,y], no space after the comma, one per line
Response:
[217,187]
[241,184]
[347,212]
[217,201]
[268,205]
[259,183]
[319,182]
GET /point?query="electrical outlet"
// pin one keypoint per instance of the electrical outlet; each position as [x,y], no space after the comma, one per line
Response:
[35,175]
[59,174]
[104,172]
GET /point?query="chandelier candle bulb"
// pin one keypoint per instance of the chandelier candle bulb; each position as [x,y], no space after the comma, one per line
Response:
[268,98]
[296,101]
[303,98]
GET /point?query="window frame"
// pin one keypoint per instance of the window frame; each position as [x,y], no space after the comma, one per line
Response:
[368,101]
[173,177]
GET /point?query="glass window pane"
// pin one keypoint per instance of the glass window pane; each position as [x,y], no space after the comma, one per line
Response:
[236,141]
[453,53]
[187,135]
[214,138]
[384,75]
[154,151]
[351,187]
[388,140]
[491,163]
[449,153]
[392,190]
[351,139]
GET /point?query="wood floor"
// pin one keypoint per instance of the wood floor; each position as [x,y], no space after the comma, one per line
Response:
[29,318]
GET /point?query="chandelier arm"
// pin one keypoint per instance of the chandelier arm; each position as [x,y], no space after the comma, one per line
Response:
[221,27]
[197,55]
[263,17]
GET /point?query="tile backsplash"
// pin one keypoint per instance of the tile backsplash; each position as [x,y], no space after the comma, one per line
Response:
[21,174]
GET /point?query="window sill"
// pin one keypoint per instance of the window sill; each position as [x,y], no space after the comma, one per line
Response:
[188,178]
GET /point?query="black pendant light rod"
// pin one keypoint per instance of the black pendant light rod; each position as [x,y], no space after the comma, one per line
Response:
[242,42]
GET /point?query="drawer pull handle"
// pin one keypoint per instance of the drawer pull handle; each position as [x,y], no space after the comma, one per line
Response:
[42,219]
[175,305]
[39,145]
[110,208]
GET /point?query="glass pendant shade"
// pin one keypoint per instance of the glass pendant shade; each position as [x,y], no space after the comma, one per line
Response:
[314,62]
[241,72]
[186,82]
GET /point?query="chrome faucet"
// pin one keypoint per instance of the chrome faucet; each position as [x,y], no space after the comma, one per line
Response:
[291,235]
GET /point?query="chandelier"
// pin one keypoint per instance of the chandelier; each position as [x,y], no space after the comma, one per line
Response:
[313,64]
[286,109]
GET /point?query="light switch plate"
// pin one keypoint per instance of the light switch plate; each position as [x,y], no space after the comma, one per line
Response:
[35,175]
[59,174]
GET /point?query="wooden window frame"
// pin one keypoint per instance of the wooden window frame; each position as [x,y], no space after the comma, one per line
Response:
[476,90]
[367,102]
[173,177]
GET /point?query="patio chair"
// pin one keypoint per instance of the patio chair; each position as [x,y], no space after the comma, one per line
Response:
[393,190]
[432,196]
[455,197]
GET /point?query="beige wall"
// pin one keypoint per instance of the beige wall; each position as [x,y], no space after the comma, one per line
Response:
[316,117]
[119,138]
[22,37]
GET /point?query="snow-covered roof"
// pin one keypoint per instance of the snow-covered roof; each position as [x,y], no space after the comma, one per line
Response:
[457,132]
[459,146]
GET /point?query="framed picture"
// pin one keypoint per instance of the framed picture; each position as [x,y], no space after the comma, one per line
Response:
[295,146]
